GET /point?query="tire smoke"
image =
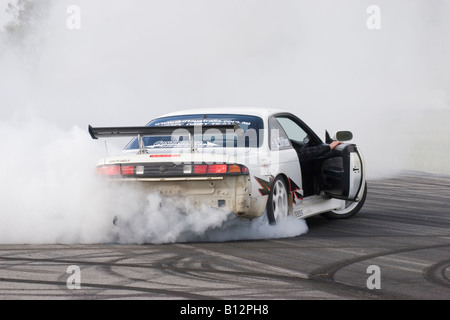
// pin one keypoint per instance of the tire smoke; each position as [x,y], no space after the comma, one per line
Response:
[51,194]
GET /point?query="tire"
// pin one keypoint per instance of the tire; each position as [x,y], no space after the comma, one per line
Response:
[278,202]
[352,207]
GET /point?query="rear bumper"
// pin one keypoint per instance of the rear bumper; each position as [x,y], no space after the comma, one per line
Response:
[230,193]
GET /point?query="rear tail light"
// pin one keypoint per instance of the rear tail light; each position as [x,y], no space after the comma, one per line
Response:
[235,168]
[200,169]
[188,169]
[109,170]
[219,169]
[127,170]
[115,170]
[139,170]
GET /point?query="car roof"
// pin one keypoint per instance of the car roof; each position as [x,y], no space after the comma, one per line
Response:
[261,112]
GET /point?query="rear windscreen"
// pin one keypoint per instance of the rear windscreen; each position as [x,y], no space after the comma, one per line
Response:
[250,135]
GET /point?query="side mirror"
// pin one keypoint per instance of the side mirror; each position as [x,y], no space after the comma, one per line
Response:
[343,136]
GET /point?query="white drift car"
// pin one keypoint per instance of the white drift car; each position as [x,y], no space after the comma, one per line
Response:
[249,162]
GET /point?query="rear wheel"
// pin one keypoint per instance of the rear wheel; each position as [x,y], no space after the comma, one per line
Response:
[351,207]
[278,203]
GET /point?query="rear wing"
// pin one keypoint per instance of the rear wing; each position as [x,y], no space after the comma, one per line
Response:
[108,132]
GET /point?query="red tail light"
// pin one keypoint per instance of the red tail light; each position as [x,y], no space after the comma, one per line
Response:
[200,169]
[127,170]
[115,170]
[187,169]
[217,168]
[111,170]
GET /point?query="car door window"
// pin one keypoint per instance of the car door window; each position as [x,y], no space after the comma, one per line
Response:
[278,138]
[293,130]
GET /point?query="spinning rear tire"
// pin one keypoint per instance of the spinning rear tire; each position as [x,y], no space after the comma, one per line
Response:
[278,202]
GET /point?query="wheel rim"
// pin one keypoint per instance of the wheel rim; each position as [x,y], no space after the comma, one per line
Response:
[279,200]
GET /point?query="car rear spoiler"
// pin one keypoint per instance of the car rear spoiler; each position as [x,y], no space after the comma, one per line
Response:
[108,132]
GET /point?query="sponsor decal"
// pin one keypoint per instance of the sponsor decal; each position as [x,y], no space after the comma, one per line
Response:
[265,185]
[293,188]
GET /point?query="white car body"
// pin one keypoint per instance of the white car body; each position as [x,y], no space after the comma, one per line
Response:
[167,167]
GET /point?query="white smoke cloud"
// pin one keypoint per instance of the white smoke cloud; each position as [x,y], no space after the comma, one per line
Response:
[152,219]
[50,194]
[133,60]
[48,191]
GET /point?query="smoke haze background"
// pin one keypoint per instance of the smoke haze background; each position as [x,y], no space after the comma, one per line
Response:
[134,60]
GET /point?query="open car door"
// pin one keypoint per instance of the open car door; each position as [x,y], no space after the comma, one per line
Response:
[342,173]
[339,173]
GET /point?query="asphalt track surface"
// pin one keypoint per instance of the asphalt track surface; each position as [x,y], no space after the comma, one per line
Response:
[403,230]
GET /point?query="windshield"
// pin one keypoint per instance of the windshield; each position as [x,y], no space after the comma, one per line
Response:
[251,126]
